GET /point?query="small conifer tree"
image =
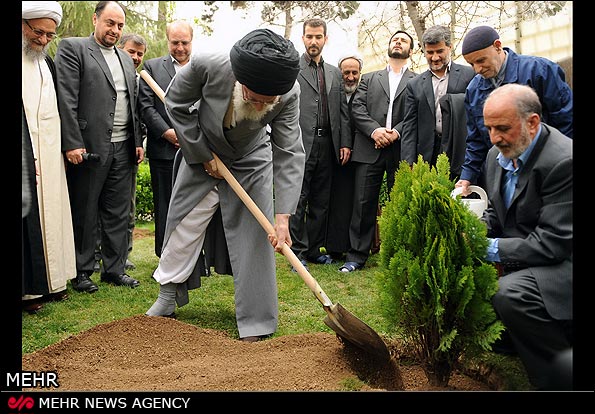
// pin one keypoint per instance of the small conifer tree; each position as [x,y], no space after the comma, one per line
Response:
[435,286]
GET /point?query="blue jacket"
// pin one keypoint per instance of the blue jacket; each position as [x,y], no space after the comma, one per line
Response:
[543,75]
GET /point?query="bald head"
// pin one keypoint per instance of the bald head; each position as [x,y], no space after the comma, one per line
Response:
[522,98]
[512,116]
[179,40]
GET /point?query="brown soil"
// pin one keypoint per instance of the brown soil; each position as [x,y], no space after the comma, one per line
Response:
[144,353]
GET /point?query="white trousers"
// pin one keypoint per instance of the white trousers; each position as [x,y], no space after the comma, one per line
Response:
[183,247]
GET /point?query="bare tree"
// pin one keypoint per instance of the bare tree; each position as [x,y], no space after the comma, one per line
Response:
[288,13]
[460,16]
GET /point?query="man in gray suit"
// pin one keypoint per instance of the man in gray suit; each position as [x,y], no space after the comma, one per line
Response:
[529,219]
[378,110]
[97,102]
[236,97]
[324,121]
[425,128]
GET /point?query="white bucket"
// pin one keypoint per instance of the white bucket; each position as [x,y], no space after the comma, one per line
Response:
[476,205]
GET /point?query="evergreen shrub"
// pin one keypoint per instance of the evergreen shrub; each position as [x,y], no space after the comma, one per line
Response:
[435,286]
[144,193]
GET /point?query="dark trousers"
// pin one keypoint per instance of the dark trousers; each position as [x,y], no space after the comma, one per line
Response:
[340,208]
[102,191]
[308,225]
[162,184]
[131,219]
[367,184]
[537,337]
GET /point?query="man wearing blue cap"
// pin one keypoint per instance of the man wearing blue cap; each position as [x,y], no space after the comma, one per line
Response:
[496,65]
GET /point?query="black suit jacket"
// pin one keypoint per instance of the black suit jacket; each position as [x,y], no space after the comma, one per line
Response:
[152,109]
[369,110]
[419,124]
[337,107]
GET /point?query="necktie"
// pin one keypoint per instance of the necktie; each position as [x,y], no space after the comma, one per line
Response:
[509,186]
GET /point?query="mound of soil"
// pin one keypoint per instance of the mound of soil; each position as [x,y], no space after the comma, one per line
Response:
[145,353]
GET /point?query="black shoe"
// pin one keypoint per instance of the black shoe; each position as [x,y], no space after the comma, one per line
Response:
[56,297]
[323,259]
[31,306]
[129,265]
[83,283]
[120,280]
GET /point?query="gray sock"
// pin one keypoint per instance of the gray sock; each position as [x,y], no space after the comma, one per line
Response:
[166,301]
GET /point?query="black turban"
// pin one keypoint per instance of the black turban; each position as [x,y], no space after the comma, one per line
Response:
[479,38]
[265,62]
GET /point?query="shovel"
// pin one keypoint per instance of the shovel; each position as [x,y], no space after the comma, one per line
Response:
[339,319]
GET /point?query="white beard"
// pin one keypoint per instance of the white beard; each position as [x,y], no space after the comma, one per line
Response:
[34,55]
[244,110]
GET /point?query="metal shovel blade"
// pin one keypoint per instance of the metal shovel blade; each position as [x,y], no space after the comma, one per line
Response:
[355,331]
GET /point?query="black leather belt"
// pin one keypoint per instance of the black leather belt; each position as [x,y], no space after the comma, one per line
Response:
[321,132]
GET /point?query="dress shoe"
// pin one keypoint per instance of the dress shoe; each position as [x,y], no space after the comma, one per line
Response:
[56,297]
[31,306]
[129,265]
[83,283]
[323,259]
[120,280]
[349,267]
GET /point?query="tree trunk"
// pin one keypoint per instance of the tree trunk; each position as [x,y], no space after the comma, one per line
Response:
[438,372]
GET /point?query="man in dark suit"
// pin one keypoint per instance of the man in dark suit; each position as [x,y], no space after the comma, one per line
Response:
[162,146]
[96,97]
[425,129]
[162,142]
[136,46]
[324,122]
[378,109]
[529,220]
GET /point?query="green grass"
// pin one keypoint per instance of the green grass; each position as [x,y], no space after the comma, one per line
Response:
[212,306]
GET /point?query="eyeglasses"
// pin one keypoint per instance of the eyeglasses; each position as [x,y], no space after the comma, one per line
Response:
[41,33]
[271,101]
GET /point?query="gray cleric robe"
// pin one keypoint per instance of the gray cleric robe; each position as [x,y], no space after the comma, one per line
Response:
[257,161]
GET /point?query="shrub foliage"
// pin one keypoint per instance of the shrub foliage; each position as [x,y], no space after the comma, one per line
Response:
[144,193]
[435,285]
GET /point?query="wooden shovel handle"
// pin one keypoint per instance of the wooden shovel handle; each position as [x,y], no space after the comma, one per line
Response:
[256,212]
[268,227]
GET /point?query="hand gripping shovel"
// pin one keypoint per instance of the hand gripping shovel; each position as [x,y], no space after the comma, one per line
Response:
[339,319]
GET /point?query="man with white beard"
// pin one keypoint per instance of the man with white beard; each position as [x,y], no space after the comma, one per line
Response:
[236,96]
[341,194]
[48,241]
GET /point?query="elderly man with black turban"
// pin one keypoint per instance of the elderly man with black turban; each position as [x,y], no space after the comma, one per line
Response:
[222,104]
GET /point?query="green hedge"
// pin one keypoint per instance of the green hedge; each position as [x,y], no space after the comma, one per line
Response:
[144,193]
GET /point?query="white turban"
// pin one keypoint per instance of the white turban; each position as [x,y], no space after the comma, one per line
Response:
[42,9]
